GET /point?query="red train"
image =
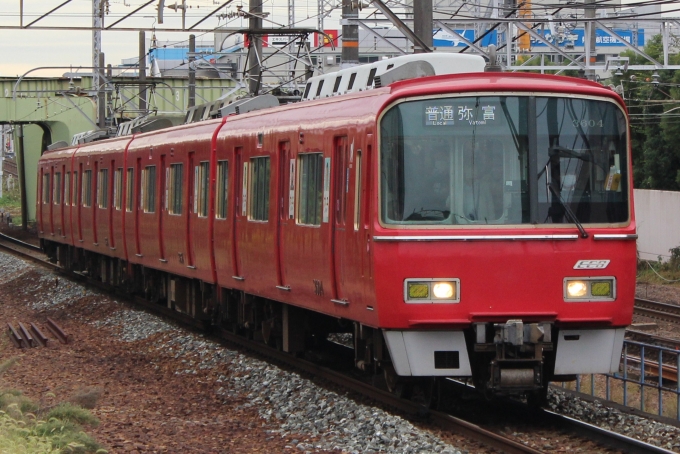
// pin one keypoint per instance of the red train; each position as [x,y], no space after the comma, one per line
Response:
[469,225]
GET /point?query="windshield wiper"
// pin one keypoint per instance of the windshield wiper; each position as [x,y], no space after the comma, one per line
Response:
[570,214]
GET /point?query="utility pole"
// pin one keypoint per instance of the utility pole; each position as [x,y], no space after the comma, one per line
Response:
[591,52]
[97,25]
[255,47]
[101,92]
[142,73]
[350,36]
[192,72]
[21,170]
[422,24]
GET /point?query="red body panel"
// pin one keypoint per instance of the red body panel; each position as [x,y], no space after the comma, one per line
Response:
[336,268]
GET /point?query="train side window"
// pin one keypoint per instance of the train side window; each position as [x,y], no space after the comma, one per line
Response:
[102,188]
[307,87]
[337,84]
[149,187]
[46,188]
[176,182]
[201,177]
[259,189]
[87,188]
[357,192]
[318,89]
[371,76]
[67,188]
[222,188]
[56,192]
[311,188]
[129,189]
[118,188]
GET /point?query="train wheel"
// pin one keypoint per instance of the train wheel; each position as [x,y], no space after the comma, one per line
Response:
[425,392]
[395,384]
[538,399]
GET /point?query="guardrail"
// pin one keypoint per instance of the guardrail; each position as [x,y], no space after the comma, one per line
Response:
[649,379]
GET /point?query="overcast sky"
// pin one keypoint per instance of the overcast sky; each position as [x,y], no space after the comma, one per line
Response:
[23,50]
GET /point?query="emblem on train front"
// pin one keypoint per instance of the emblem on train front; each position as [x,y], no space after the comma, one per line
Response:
[591,264]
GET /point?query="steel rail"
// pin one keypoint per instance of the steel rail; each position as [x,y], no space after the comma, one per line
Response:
[443,420]
[660,311]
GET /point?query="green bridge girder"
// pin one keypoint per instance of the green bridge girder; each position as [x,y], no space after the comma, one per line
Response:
[54,109]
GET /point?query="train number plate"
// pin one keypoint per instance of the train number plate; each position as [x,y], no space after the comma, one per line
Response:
[591,264]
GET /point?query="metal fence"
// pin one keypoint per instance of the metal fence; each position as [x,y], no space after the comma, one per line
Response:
[649,379]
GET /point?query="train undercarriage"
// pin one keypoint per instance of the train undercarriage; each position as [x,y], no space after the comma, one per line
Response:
[509,358]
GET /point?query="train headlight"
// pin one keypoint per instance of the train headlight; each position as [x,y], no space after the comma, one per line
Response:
[577,289]
[426,290]
[590,289]
[443,290]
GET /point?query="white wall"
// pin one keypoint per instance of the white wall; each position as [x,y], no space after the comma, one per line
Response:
[658,222]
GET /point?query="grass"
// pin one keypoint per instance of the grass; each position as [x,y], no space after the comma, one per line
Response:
[660,272]
[11,199]
[25,428]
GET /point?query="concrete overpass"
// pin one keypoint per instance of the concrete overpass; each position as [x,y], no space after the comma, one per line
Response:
[43,111]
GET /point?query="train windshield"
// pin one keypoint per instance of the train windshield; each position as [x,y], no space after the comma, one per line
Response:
[504,160]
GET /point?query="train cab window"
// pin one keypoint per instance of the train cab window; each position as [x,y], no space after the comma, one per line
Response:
[57,188]
[46,188]
[201,188]
[103,188]
[118,188]
[504,160]
[222,188]
[149,189]
[130,189]
[311,188]
[87,188]
[67,188]
[259,189]
[175,201]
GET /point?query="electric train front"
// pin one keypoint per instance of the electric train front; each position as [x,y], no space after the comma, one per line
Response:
[505,249]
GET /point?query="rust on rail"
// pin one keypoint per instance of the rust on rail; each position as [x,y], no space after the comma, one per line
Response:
[16,339]
[57,331]
[39,336]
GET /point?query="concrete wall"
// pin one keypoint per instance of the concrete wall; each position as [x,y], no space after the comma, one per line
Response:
[658,223]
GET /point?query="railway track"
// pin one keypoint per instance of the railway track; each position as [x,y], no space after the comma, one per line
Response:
[659,311]
[448,422]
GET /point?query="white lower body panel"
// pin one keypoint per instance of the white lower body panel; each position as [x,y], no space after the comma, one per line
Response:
[413,353]
[589,351]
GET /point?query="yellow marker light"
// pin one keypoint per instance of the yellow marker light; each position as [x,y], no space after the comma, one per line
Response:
[443,290]
[418,290]
[577,289]
[601,288]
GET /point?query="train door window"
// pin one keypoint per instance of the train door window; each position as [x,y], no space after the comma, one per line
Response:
[149,188]
[341,180]
[129,189]
[201,177]
[176,181]
[259,189]
[311,188]
[357,192]
[46,188]
[67,188]
[102,188]
[87,188]
[56,192]
[222,188]
[118,188]
[74,193]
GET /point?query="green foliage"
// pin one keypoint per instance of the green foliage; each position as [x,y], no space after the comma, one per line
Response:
[72,413]
[655,131]
[22,433]
[11,199]
[6,365]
